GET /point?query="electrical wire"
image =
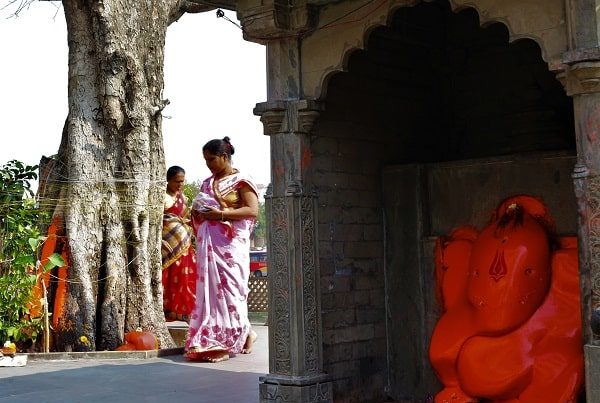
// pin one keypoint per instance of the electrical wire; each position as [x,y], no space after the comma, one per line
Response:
[331,24]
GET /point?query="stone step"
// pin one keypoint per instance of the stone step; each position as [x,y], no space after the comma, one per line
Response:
[178,331]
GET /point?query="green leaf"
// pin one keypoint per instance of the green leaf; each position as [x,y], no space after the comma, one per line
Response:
[33,242]
[24,260]
[55,260]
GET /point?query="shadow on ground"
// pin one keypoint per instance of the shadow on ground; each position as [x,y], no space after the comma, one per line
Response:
[165,381]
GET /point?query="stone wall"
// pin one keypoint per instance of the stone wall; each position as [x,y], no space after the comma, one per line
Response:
[351,264]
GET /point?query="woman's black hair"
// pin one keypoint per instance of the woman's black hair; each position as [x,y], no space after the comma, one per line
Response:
[219,147]
[174,170]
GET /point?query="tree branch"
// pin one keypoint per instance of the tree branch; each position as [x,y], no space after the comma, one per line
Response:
[193,7]
[226,4]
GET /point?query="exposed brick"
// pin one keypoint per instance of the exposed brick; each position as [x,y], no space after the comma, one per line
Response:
[337,352]
[366,198]
[339,318]
[327,301]
[341,386]
[337,283]
[364,182]
[344,369]
[366,282]
[326,266]
[370,167]
[325,249]
[380,329]
[343,299]
[364,249]
[325,145]
[330,249]
[325,231]
[369,266]
[362,298]
[369,315]
[329,214]
[348,334]
[354,148]
[377,296]
[361,215]
[371,365]
[322,163]
[348,232]
[332,180]
[373,232]
[338,197]
[346,165]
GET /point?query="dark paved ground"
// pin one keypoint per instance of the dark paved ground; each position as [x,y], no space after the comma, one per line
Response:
[167,379]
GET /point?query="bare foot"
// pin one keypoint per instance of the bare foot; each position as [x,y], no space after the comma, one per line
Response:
[214,355]
[252,336]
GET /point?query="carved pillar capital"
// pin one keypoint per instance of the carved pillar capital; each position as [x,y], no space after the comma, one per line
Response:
[290,123]
[583,78]
[581,71]
[295,116]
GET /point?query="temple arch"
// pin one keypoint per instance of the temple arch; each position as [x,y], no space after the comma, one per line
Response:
[550,33]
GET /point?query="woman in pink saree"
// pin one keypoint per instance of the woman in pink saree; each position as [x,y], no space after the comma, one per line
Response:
[223,215]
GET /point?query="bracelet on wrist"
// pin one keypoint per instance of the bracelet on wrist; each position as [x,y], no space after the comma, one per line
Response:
[222,215]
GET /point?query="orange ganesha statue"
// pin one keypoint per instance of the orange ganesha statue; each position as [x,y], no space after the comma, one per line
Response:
[510,330]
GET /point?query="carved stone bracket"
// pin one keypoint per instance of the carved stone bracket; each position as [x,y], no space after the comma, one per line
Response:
[579,71]
[296,116]
[295,345]
[290,123]
[583,78]
[275,19]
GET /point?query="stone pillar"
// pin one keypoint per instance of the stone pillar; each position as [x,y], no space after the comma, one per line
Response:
[582,79]
[295,343]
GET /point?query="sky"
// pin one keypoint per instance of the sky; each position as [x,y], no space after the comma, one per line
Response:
[213,79]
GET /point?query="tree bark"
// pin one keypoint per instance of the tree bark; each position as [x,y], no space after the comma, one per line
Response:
[113,161]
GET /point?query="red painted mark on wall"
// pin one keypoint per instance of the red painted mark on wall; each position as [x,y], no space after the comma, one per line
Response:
[278,170]
[306,158]
[592,125]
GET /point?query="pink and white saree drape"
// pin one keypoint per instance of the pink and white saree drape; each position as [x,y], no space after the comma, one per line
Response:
[220,317]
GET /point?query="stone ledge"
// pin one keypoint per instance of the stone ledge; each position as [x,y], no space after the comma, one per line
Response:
[104,355]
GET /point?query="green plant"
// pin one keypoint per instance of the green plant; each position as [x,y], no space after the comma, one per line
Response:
[190,190]
[260,227]
[19,241]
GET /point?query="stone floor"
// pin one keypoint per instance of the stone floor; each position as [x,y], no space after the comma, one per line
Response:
[161,379]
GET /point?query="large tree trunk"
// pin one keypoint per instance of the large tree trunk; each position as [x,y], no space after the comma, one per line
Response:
[113,161]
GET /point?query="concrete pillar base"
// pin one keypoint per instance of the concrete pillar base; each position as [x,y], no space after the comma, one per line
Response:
[297,389]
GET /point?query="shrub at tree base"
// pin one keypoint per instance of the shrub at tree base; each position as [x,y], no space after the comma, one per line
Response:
[19,240]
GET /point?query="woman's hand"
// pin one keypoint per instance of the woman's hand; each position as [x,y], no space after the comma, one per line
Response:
[212,213]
